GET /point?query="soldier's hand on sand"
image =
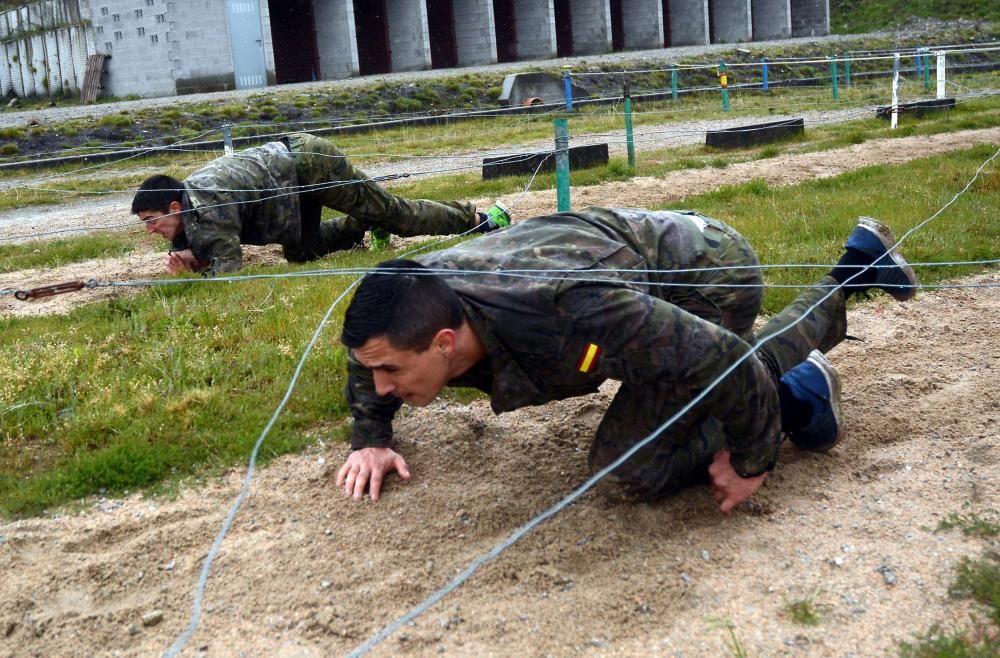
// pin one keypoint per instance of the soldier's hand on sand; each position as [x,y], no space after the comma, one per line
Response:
[179,262]
[728,488]
[367,468]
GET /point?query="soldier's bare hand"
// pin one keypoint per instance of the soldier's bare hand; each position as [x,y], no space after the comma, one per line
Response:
[179,262]
[728,488]
[367,468]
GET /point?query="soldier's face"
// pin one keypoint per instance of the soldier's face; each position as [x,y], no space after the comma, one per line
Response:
[415,377]
[166,223]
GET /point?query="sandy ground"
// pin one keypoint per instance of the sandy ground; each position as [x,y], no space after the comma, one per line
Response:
[306,572]
[638,192]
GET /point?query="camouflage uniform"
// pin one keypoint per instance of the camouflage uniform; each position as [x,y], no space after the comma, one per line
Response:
[603,315]
[275,193]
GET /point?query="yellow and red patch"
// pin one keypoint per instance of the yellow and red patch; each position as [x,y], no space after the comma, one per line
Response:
[589,357]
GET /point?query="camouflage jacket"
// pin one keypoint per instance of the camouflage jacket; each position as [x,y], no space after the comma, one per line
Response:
[249,197]
[549,291]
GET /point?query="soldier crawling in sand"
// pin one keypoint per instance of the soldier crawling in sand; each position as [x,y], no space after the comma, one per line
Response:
[275,194]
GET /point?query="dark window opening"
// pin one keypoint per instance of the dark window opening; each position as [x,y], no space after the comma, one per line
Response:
[564,28]
[617,26]
[293,31]
[712,38]
[371,27]
[441,26]
[666,23]
[505,22]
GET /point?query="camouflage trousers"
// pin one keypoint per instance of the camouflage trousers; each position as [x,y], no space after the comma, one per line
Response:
[330,180]
[681,457]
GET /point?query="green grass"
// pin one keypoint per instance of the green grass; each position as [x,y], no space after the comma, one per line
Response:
[803,612]
[70,250]
[854,16]
[179,380]
[973,525]
[978,579]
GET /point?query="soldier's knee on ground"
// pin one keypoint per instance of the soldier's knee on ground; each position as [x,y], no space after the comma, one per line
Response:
[615,490]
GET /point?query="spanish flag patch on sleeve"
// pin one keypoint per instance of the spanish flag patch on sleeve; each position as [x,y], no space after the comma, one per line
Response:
[589,357]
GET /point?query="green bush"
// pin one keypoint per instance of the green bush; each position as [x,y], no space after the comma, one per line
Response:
[232,111]
[115,121]
[427,95]
[9,149]
[408,105]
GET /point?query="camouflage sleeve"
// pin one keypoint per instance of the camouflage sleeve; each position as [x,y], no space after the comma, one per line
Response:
[649,342]
[372,412]
[214,237]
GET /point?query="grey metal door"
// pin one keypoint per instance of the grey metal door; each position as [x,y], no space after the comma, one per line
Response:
[247,41]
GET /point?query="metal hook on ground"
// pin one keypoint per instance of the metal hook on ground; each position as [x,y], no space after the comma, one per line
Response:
[54,289]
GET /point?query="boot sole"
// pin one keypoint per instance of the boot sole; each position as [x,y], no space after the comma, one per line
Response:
[888,240]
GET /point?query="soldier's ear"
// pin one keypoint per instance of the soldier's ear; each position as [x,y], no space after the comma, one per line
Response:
[174,207]
[444,341]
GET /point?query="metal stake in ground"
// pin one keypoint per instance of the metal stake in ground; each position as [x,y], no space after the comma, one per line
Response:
[562,164]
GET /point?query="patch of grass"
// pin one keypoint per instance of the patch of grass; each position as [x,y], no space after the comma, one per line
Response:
[978,579]
[408,105]
[54,253]
[973,525]
[115,121]
[803,612]
[129,393]
[853,16]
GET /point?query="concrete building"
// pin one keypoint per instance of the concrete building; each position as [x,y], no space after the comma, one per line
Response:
[166,47]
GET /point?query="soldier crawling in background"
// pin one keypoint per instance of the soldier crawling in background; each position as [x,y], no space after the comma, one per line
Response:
[275,194]
[661,301]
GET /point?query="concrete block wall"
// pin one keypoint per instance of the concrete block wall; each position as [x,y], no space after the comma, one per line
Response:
[732,22]
[536,29]
[475,32]
[336,39]
[142,38]
[591,27]
[772,19]
[688,22]
[409,37]
[200,46]
[643,21]
[810,18]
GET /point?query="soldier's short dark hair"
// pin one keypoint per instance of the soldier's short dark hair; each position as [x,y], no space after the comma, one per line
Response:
[156,193]
[404,302]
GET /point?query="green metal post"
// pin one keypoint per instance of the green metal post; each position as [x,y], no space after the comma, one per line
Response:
[562,165]
[724,82]
[629,140]
[673,82]
[927,68]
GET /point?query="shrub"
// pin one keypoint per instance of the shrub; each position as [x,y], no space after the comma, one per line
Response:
[115,121]
[408,105]
[9,149]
